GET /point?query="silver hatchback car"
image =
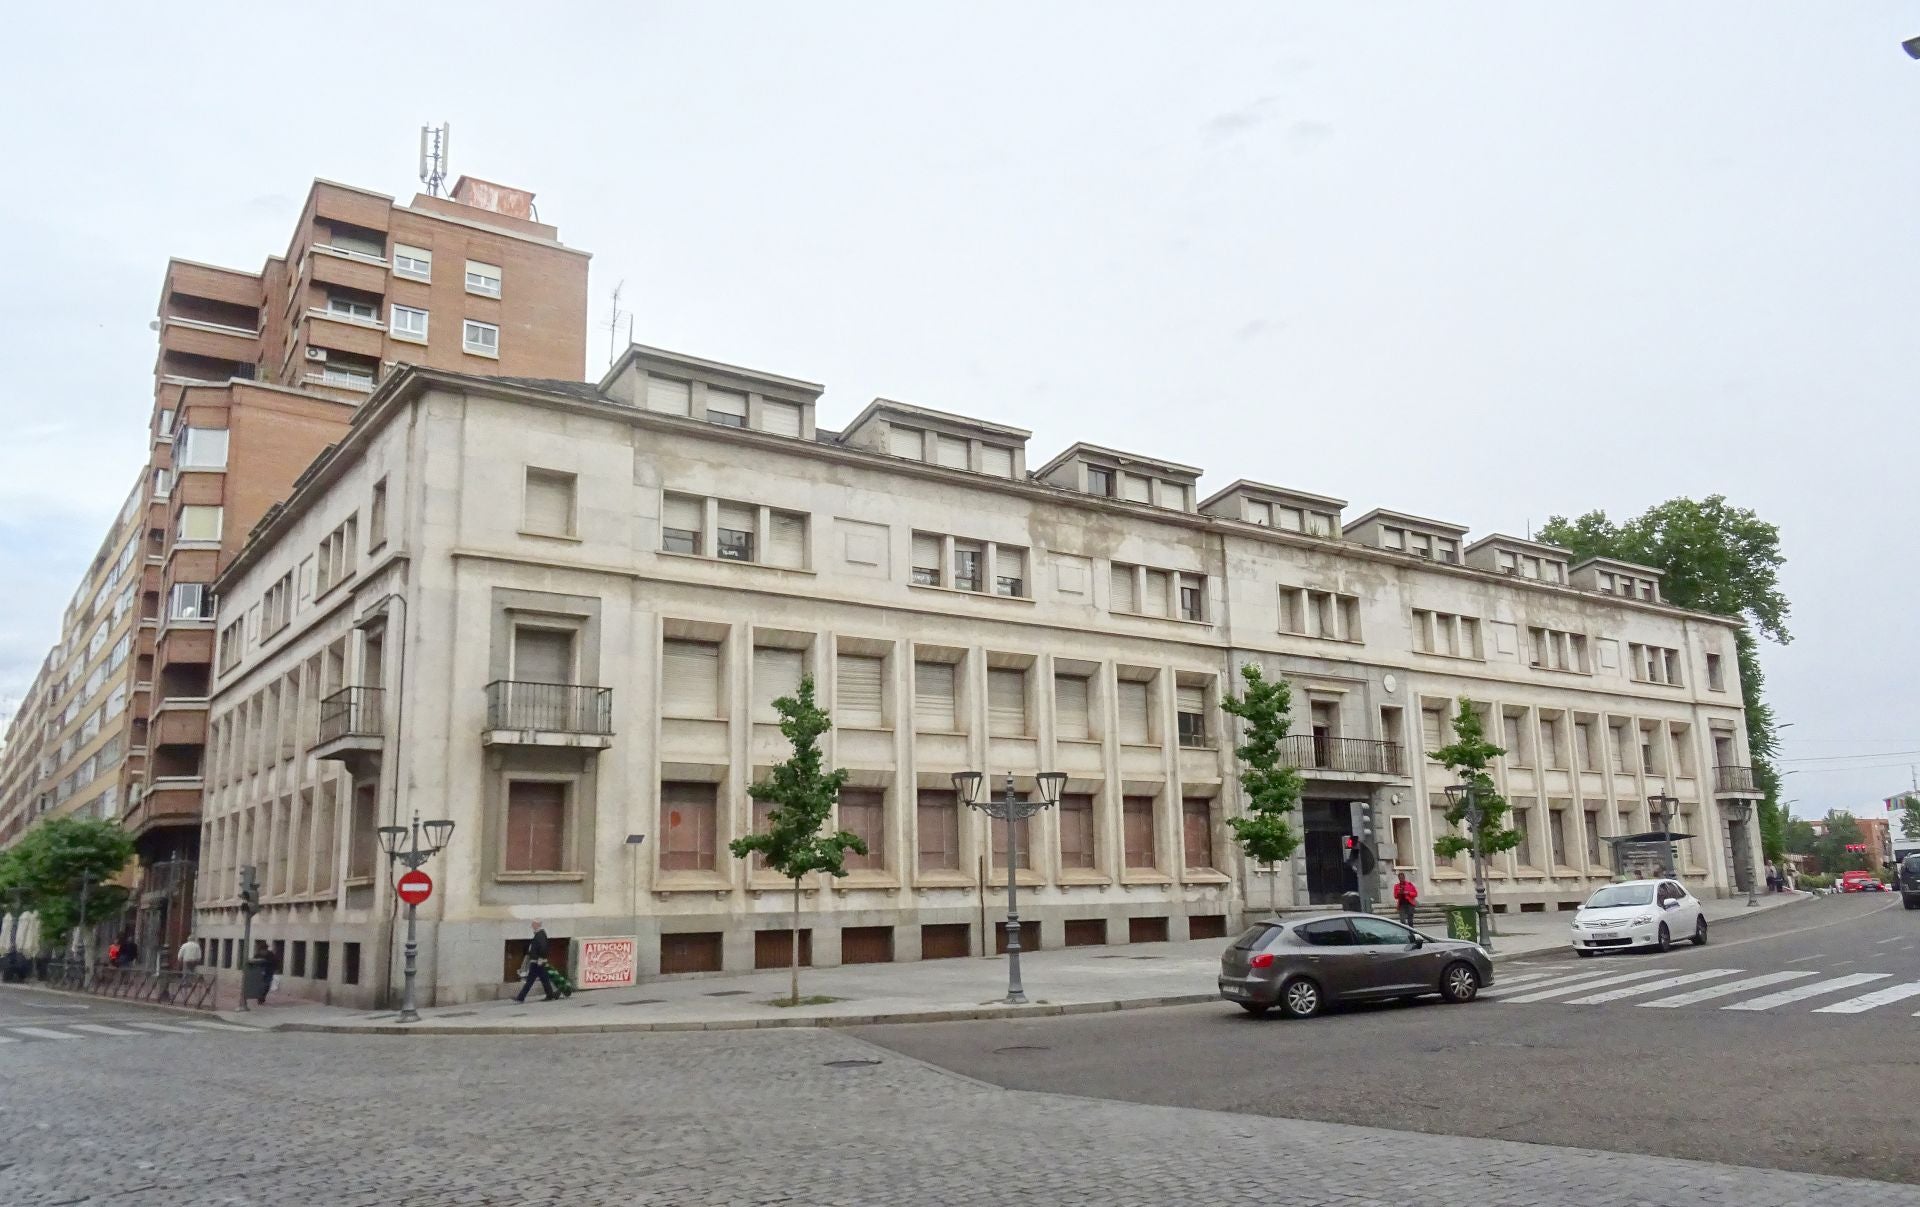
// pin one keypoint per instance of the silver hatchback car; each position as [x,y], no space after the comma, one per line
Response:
[1304,964]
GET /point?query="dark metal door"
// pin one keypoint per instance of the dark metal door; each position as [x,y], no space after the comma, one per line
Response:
[1328,825]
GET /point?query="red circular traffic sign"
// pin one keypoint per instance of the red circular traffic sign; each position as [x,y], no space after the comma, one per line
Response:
[414,887]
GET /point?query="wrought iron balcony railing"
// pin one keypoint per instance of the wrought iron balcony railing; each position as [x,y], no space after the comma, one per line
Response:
[1357,756]
[352,712]
[549,707]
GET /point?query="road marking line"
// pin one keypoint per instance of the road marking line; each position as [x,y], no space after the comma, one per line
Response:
[1578,980]
[1563,990]
[8,1039]
[1729,988]
[1672,982]
[1804,959]
[1844,963]
[43,1033]
[1798,992]
[1867,1001]
[168,1027]
[1884,942]
[101,1029]
[220,1026]
[1524,978]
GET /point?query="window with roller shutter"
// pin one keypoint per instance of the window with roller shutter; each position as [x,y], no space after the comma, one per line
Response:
[780,418]
[1136,489]
[908,442]
[776,673]
[690,675]
[951,452]
[933,699]
[1072,707]
[726,408]
[1123,598]
[1153,596]
[857,699]
[996,461]
[1134,712]
[1196,831]
[1190,706]
[683,520]
[734,540]
[666,397]
[787,541]
[927,557]
[1007,703]
[1009,571]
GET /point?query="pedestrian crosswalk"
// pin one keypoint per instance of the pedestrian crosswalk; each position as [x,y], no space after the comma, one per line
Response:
[1714,988]
[119,1028]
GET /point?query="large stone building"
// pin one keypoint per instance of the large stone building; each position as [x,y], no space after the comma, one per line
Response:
[255,375]
[558,615]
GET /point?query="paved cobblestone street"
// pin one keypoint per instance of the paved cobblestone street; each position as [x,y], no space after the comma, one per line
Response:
[743,1117]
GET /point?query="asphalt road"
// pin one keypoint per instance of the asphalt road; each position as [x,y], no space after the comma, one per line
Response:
[1785,1087]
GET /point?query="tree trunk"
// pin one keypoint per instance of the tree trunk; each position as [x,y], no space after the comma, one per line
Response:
[1273,889]
[796,941]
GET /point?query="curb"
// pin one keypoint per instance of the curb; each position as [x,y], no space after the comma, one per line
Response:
[1037,1010]
[75,994]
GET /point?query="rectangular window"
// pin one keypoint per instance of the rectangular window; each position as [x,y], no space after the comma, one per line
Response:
[933,705]
[1196,831]
[1557,837]
[780,418]
[549,502]
[200,448]
[1124,596]
[1007,703]
[927,559]
[199,523]
[1523,822]
[377,517]
[321,950]
[668,397]
[536,826]
[863,813]
[908,442]
[1193,597]
[190,601]
[1584,750]
[1511,738]
[409,323]
[1009,571]
[1716,676]
[726,408]
[950,451]
[481,339]
[858,696]
[1619,732]
[937,818]
[776,673]
[690,678]
[1023,830]
[483,279]
[733,539]
[413,263]
[341,306]
[1551,755]
[1072,707]
[1153,595]
[1099,481]
[350,961]
[1076,830]
[1190,710]
[996,460]
[1136,489]
[969,568]
[687,817]
[1137,817]
[1134,711]
[682,523]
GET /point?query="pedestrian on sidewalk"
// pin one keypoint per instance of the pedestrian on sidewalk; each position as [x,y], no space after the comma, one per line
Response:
[129,952]
[262,954]
[537,965]
[189,955]
[1404,896]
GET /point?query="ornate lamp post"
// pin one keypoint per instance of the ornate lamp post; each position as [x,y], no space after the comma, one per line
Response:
[1738,811]
[413,855]
[1664,805]
[1010,809]
[1470,796]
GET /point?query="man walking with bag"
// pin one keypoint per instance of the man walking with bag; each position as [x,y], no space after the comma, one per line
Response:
[1404,895]
[537,965]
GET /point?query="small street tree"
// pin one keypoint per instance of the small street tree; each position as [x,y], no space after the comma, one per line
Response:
[803,796]
[49,864]
[1468,756]
[1908,805]
[1273,789]
[1842,830]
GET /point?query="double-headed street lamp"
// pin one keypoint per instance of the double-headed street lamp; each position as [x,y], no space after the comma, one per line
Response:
[1664,805]
[413,855]
[1738,811]
[1469,795]
[1011,809]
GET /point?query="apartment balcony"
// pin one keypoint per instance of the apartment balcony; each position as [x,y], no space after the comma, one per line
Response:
[214,341]
[548,714]
[186,643]
[168,801]
[1344,758]
[352,729]
[1735,781]
[345,333]
[223,285]
[178,722]
[354,270]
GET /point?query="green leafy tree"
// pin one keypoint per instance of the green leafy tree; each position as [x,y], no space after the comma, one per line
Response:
[1718,558]
[49,863]
[1468,756]
[1273,789]
[1800,836]
[1908,806]
[1841,831]
[803,796]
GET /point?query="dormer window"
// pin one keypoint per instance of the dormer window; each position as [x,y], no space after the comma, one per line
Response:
[1136,489]
[1100,481]
[1393,538]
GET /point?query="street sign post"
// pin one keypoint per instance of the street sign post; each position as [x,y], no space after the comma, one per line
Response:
[414,888]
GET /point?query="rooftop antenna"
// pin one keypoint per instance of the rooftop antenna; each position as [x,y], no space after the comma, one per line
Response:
[433,156]
[613,324]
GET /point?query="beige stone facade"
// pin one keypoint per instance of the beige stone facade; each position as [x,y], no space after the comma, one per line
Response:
[558,617]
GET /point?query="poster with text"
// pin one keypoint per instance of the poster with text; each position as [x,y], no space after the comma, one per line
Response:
[607,963]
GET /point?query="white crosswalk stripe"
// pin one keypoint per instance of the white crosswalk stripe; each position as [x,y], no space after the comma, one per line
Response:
[44,1033]
[1787,997]
[102,1029]
[1575,979]
[120,1028]
[169,1027]
[1727,989]
[1879,997]
[1580,987]
[220,1026]
[1672,982]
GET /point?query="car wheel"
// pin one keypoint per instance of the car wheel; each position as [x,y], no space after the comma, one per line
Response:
[1583,953]
[1459,983]
[1665,942]
[1700,932]
[1301,998]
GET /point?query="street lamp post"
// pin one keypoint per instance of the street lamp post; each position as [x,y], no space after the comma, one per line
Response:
[1467,793]
[1011,810]
[1738,811]
[413,855]
[1664,805]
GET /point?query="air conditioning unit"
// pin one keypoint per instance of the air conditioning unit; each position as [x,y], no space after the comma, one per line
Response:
[316,354]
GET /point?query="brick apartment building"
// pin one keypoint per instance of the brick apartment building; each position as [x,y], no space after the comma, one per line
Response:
[256,374]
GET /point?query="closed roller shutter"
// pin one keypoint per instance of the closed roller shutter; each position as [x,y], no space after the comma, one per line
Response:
[669,397]
[996,461]
[908,442]
[1153,597]
[1007,703]
[1190,699]
[933,697]
[1133,711]
[780,418]
[1071,707]
[690,672]
[951,452]
[787,543]
[857,694]
[776,673]
[1123,597]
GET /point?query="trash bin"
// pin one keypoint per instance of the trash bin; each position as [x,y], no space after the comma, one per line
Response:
[253,984]
[1350,902]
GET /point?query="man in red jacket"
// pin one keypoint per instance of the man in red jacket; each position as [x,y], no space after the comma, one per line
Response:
[1404,895]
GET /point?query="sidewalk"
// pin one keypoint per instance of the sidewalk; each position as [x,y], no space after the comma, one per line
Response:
[1077,980]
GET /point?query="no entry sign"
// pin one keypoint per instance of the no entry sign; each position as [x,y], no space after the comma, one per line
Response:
[414,887]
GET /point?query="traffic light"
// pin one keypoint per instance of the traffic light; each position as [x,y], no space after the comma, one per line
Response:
[249,892]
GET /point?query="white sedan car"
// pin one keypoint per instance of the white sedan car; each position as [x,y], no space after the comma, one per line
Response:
[1638,913]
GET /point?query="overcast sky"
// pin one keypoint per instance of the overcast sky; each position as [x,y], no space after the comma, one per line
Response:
[1484,262]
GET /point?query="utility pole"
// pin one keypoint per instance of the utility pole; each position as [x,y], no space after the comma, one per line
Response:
[249,906]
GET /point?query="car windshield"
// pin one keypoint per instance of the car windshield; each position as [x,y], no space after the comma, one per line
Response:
[1621,894]
[1254,936]
[1911,865]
